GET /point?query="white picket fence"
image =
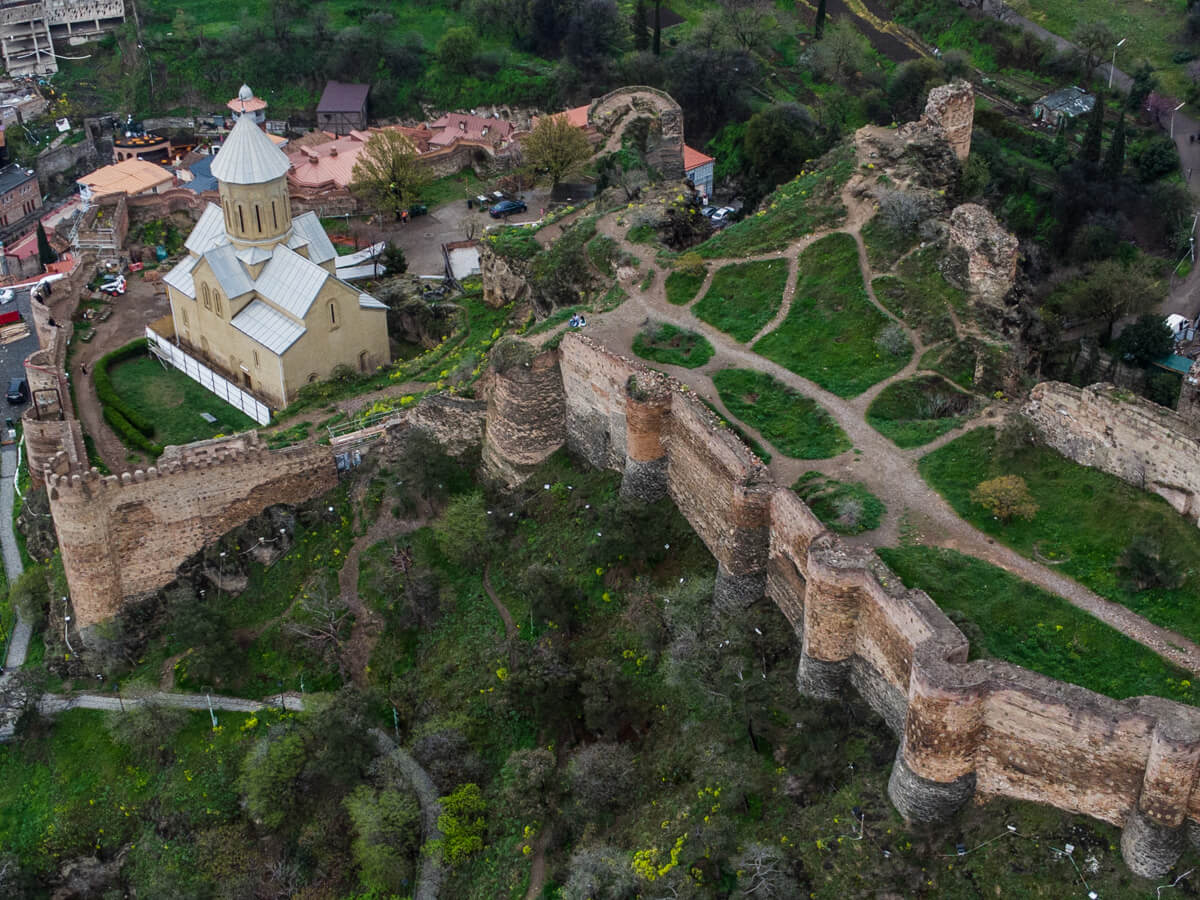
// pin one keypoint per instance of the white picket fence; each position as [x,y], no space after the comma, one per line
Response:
[206,377]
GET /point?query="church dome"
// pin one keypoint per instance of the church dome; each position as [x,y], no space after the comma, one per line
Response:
[248,156]
[245,93]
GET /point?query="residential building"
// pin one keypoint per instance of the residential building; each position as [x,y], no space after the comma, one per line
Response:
[132,177]
[20,194]
[257,297]
[28,29]
[698,169]
[1065,103]
[343,107]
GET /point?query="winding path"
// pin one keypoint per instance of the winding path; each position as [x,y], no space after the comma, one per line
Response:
[18,646]
[889,472]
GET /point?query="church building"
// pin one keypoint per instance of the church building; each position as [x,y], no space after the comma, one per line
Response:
[257,297]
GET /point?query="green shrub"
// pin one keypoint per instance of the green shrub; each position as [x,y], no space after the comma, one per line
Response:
[107,394]
[127,433]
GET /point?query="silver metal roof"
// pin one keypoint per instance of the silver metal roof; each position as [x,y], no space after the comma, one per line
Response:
[209,231]
[248,156]
[252,255]
[366,301]
[320,248]
[267,326]
[228,271]
[1069,101]
[180,276]
[291,282]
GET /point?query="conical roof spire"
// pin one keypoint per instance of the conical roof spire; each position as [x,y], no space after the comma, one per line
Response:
[248,156]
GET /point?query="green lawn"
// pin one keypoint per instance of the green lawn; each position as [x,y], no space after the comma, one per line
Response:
[682,287]
[829,333]
[459,186]
[173,402]
[795,425]
[915,411]
[809,201]
[845,506]
[1153,29]
[886,245]
[961,361]
[672,346]
[1086,519]
[744,297]
[920,296]
[1013,620]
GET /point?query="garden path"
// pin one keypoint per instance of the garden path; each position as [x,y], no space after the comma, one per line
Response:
[18,645]
[368,624]
[889,472]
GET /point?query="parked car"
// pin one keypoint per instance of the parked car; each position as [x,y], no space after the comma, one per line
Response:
[114,288]
[507,208]
[7,295]
[418,209]
[707,211]
[18,391]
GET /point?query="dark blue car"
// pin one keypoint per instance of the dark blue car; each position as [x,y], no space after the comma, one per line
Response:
[506,208]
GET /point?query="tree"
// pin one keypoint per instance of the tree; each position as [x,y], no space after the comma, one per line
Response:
[641,40]
[901,211]
[394,261]
[595,31]
[1093,138]
[1114,160]
[556,148]
[387,174]
[462,530]
[1147,339]
[1095,39]
[1154,158]
[1006,497]
[462,824]
[46,254]
[762,873]
[748,22]
[819,25]
[657,47]
[1112,291]
[387,835]
[456,49]
[841,53]
[1144,84]
[601,776]
[777,142]
[600,872]
[528,783]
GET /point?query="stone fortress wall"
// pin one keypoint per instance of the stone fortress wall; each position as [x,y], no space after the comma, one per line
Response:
[964,728]
[124,536]
[1118,432]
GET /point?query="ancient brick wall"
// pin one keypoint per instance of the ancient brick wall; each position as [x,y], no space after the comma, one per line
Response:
[983,727]
[122,536]
[1125,435]
[611,114]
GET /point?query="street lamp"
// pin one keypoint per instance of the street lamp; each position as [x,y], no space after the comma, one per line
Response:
[1113,67]
[66,630]
[1175,110]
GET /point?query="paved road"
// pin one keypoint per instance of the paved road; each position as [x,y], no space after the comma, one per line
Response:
[19,645]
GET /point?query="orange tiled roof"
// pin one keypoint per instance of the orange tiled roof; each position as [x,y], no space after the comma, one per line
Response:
[694,159]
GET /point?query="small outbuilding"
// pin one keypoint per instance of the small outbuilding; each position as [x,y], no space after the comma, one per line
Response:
[1065,103]
[343,107]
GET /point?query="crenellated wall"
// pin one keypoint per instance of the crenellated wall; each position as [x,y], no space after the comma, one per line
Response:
[1125,435]
[963,728]
[123,536]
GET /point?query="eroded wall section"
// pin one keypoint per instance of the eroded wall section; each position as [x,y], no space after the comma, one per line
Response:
[1125,435]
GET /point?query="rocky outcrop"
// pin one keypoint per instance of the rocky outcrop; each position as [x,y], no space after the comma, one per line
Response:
[951,107]
[982,260]
[505,280]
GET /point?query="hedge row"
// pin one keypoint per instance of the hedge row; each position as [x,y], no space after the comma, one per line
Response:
[109,398]
[127,433]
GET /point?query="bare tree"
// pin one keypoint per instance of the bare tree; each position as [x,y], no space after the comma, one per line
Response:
[1095,39]
[901,211]
[748,22]
[318,618]
[762,874]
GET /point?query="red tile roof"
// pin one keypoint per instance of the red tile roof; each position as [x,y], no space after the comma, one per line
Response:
[577,116]
[455,126]
[694,159]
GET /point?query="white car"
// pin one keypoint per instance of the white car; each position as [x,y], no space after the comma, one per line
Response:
[7,295]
